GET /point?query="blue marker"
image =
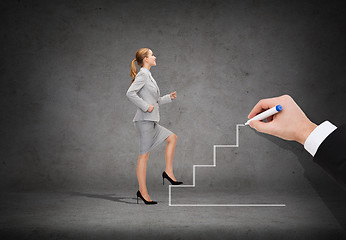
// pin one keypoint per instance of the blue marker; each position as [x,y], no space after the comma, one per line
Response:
[266,114]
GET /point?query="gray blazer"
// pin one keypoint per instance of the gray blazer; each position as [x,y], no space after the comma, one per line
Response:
[144,91]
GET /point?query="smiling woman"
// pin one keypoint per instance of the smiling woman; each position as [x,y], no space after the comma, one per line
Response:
[145,94]
[140,55]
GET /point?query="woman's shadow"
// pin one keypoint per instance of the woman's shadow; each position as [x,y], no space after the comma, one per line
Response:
[110,197]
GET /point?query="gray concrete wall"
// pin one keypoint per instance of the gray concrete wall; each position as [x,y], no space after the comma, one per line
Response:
[67,124]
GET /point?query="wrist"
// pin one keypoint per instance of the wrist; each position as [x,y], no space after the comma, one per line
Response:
[305,132]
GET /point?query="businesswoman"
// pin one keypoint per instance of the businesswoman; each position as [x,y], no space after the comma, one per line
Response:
[145,94]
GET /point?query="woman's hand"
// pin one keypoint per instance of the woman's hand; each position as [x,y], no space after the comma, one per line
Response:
[151,108]
[173,94]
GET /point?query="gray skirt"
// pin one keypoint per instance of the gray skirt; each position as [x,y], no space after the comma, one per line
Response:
[151,134]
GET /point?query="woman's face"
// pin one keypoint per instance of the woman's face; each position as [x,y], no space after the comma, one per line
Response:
[151,59]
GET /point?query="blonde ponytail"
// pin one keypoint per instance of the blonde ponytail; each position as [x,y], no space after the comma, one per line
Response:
[140,55]
[133,70]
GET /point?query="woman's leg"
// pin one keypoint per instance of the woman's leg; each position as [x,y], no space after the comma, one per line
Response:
[169,154]
[141,175]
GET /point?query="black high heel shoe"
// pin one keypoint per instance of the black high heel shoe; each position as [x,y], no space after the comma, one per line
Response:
[164,175]
[145,201]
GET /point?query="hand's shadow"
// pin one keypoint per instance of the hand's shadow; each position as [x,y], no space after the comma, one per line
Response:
[126,200]
[330,192]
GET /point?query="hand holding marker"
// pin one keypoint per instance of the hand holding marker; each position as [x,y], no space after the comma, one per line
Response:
[321,142]
[290,124]
[265,114]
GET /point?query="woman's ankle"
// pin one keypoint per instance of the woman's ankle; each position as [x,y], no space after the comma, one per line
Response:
[143,191]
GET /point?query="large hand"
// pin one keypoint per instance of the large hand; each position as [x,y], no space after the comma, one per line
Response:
[289,124]
[173,94]
[151,108]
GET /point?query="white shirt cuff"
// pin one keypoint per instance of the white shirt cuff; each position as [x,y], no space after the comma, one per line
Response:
[317,136]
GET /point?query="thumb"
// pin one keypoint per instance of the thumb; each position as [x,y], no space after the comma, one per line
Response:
[260,126]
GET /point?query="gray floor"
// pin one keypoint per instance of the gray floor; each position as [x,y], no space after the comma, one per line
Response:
[115,214]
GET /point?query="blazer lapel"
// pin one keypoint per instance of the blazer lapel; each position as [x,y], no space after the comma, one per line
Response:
[153,80]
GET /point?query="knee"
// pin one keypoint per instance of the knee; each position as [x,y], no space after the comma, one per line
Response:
[173,137]
[144,157]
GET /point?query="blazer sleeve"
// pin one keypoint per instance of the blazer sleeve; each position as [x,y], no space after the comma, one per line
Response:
[164,99]
[132,95]
[331,155]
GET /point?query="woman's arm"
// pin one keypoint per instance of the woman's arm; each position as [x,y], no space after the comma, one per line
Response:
[132,95]
[164,99]
[167,98]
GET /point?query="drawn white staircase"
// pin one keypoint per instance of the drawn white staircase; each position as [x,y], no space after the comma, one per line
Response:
[214,165]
